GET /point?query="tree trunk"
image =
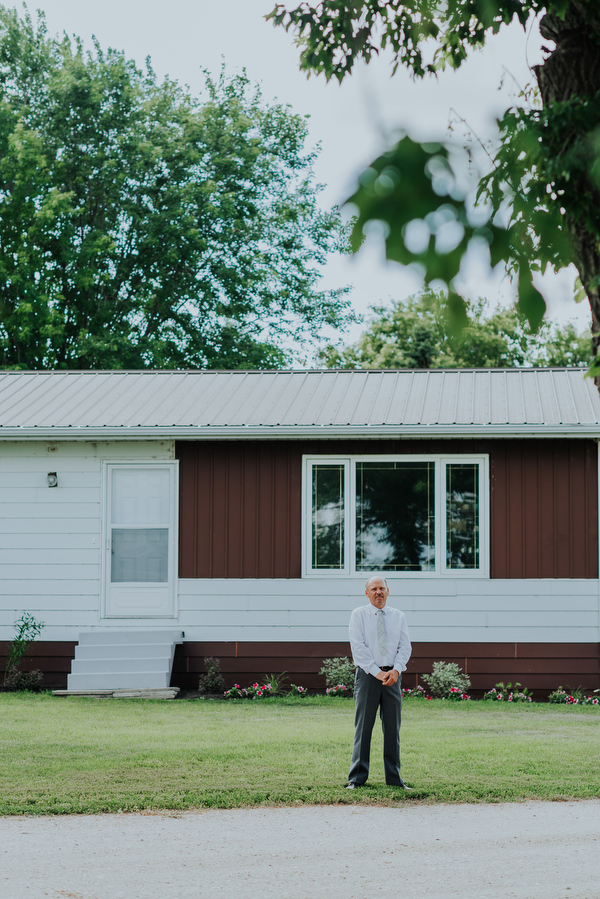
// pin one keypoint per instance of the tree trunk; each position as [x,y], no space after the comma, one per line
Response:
[572,71]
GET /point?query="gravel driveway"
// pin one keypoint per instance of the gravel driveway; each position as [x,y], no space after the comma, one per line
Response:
[531,850]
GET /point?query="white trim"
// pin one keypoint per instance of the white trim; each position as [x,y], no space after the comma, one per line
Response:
[173,589]
[300,432]
[440,460]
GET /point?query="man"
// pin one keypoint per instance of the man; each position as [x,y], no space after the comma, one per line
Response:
[380,649]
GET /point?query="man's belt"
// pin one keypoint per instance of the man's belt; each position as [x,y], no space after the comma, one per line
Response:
[386,667]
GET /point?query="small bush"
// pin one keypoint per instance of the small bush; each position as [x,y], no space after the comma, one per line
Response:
[295,690]
[576,697]
[339,672]
[275,682]
[508,693]
[338,690]
[415,693]
[212,681]
[30,681]
[27,628]
[236,692]
[446,680]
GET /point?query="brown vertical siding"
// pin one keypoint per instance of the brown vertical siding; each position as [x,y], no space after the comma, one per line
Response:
[541,667]
[544,509]
[240,504]
[239,510]
[53,659]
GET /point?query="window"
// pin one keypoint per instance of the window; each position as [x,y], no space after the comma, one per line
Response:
[403,515]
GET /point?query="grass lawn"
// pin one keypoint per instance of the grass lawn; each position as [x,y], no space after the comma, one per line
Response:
[71,755]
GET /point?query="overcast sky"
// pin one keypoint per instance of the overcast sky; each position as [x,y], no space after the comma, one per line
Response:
[352,123]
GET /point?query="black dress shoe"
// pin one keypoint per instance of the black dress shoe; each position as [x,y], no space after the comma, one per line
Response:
[401,785]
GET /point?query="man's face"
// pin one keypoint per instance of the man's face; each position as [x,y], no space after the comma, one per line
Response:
[377,592]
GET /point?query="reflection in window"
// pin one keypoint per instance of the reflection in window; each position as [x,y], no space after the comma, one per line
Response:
[328,516]
[395,516]
[140,555]
[462,515]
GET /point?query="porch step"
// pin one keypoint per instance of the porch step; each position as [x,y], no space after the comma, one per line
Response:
[123,660]
[169,693]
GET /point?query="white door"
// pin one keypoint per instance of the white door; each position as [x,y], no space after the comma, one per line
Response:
[141,540]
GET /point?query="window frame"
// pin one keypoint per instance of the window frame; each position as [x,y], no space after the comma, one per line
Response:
[441,460]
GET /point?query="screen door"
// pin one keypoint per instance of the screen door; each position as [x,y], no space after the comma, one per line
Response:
[140,540]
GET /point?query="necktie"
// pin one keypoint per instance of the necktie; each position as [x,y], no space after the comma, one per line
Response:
[381,636]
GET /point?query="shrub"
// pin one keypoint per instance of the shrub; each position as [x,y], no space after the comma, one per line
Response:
[212,681]
[236,692]
[30,681]
[260,691]
[297,691]
[275,682]
[577,697]
[415,693]
[339,672]
[27,629]
[445,679]
[508,693]
[338,690]
[457,695]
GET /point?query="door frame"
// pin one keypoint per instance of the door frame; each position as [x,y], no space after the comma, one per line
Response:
[107,467]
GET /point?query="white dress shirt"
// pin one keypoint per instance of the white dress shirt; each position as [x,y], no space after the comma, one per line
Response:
[365,644]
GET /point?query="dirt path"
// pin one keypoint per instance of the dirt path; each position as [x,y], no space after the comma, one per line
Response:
[531,850]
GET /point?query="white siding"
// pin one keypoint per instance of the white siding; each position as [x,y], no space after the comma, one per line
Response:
[50,566]
[50,537]
[438,610]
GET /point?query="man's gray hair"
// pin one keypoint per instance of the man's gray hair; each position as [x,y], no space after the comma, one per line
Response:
[372,577]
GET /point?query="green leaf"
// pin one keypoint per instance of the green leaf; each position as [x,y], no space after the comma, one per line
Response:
[530,303]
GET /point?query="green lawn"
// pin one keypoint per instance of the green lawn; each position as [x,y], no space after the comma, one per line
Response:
[83,755]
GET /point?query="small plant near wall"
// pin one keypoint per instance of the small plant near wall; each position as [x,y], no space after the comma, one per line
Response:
[338,690]
[416,693]
[447,681]
[508,693]
[339,672]
[273,686]
[576,697]
[212,681]
[295,690]
[27,629]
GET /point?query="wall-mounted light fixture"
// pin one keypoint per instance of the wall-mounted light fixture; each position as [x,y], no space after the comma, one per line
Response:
[52,479]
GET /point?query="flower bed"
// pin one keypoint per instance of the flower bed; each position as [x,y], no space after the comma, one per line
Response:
[338,690]
[262,691]
[563,697]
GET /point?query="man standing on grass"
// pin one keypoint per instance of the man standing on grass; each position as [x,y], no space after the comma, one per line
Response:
[381,650]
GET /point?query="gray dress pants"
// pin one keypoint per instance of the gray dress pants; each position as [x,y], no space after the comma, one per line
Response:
[370,695]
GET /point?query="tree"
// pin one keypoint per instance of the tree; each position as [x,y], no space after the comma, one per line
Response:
[546,172]
[416,334]
[140,227]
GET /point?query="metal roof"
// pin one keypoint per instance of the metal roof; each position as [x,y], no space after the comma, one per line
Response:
[243,404]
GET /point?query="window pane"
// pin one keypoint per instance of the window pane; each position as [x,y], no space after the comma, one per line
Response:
[462,516]
[140,555]
[328,516]
[395,516]
[140,496]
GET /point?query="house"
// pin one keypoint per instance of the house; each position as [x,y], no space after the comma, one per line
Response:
[244,510]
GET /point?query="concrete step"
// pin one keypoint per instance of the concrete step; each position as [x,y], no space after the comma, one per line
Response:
[113,665]
[159,693]
[123,660]
[138,680]
[115,651]
[124,636]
